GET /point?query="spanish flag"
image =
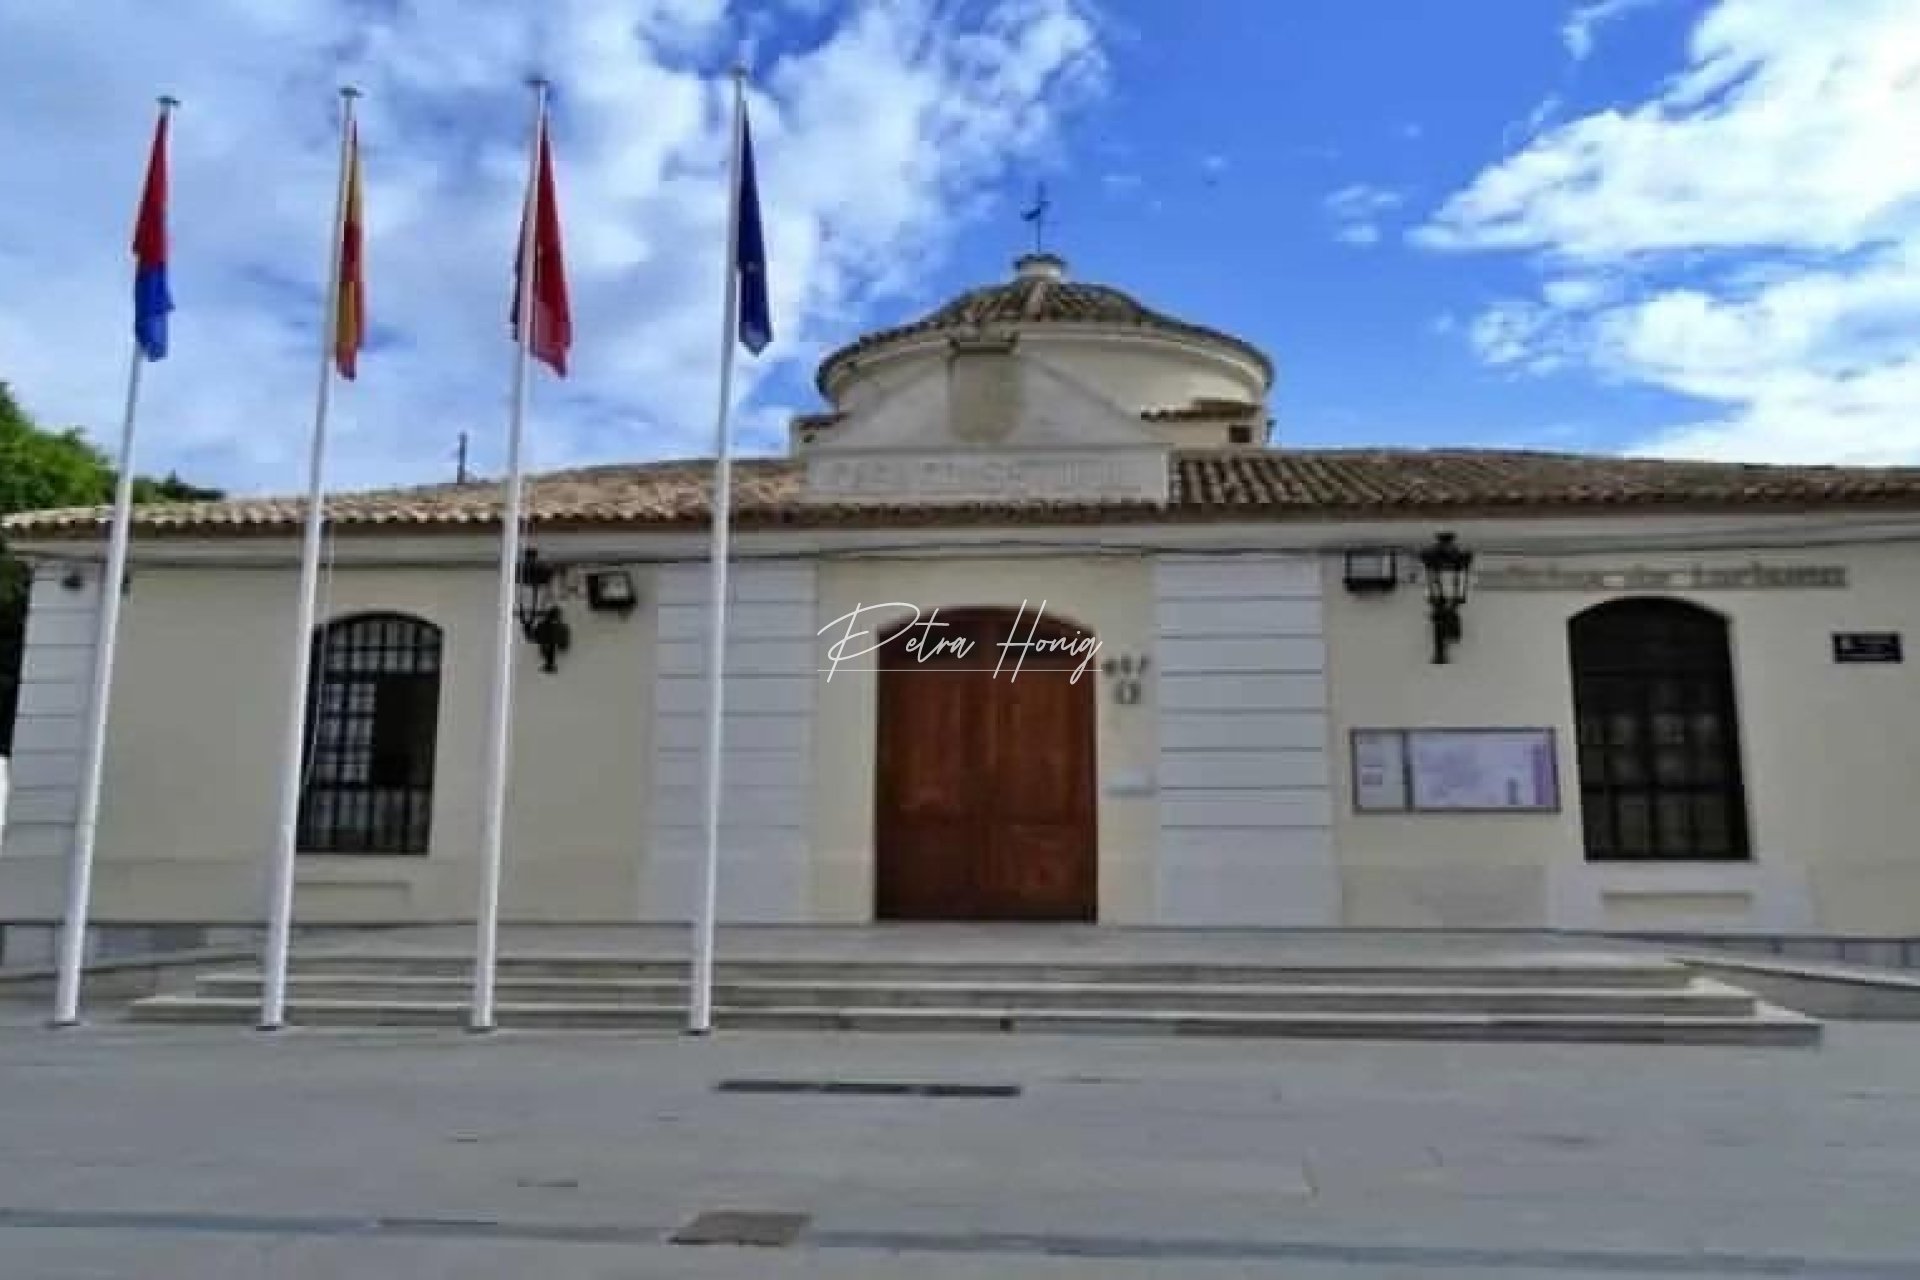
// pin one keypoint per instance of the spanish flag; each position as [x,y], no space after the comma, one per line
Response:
[350,303]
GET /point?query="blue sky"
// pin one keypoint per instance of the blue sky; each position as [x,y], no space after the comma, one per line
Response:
[1202,181]
[1384,100]
[1687,227]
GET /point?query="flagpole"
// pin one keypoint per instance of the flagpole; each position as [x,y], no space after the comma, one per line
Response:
[273,1001]
[500,702]
[73,937]
[700,1011]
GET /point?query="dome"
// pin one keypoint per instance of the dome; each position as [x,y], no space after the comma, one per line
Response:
[1038,294]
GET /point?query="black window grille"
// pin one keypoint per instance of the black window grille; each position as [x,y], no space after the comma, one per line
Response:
[372,722]
[1658,732]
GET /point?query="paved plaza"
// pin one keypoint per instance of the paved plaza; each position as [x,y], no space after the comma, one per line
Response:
[210,1154]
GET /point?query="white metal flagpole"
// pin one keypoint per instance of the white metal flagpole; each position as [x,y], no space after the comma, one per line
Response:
[73,937]
[700,1007]
[273,1001]
[500,705]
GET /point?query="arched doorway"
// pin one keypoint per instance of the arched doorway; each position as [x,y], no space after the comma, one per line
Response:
[985,787]
[1659,733]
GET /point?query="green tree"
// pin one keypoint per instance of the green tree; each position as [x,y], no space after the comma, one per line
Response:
[44,468]
[171,488]
[40,469]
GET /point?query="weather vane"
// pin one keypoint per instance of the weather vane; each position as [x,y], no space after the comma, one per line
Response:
[1037,215]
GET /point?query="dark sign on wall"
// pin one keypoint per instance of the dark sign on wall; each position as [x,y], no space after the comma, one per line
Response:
[1866,646]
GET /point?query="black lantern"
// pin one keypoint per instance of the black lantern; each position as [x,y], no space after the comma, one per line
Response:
[1448,565]
[541,621]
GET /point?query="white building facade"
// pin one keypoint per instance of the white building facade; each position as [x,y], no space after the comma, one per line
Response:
[1678,701]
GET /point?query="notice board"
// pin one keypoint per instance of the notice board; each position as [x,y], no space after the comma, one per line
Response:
[1492,770]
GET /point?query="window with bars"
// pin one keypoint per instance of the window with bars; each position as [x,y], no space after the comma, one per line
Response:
[1658,733]
[372,722]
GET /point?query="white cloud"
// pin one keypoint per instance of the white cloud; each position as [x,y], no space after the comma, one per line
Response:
[1120,184]
[1356,211]
[1749,237]
[1505,333]
[876,141]
[1590,17]
[1362,201]
[1574,293]
[1522,132]
[1519,335]
[1780,133]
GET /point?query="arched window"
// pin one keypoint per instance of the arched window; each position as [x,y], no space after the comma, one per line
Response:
[1658,731]
[371,726]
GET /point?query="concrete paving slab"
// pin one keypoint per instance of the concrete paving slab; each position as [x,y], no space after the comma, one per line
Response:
[169,1153]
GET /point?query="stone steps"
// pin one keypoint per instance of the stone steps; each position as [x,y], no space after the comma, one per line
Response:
[734,994]
[1617,998]
[1763,1025]
[1556,972]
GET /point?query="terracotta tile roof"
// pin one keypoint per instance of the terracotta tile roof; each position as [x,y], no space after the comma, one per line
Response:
[1207,484]
[1028,300]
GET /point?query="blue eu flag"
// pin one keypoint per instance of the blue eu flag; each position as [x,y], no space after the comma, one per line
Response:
[750,253]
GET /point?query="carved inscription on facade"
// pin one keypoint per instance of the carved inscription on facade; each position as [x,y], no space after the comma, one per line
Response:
[1753,575]
[1117,475]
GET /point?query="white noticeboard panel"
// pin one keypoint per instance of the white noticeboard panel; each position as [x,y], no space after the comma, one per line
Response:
[1484,769]
[1379,770]
[1455,770]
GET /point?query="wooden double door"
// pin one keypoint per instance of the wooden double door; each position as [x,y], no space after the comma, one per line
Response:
[985,792]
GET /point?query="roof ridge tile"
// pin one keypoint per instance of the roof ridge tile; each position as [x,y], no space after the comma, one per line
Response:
[1205,483]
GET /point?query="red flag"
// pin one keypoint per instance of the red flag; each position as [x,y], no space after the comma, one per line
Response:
[552,320]
[350,309]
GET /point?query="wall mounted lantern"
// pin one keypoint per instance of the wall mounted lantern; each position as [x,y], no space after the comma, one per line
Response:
[1128,674]
[1448,567]
[1371,570]
[538,609]
[611,591]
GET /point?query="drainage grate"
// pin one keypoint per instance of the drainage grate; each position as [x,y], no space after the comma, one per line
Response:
[970,1090]
[767,1230]
[873,1088]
